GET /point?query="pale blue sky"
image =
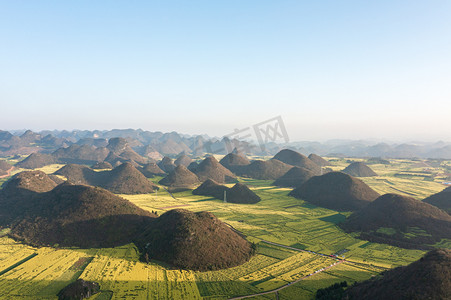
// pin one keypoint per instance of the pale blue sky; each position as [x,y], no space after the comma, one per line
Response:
[331,69]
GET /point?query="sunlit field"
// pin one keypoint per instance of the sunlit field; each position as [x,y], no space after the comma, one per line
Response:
[274,224]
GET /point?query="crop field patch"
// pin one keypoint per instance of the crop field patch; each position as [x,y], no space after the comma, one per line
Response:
[18,263]
[351,273]
[335,219]
[305,289]
[287,270]
[274,251]
[217,284]
[12,252]
[43,274]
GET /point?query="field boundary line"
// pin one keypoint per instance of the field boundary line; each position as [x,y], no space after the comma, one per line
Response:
[15,265]
[288,284]
[169,193]
[340,261]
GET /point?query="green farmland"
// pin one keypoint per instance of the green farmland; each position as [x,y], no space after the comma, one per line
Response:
[286,230]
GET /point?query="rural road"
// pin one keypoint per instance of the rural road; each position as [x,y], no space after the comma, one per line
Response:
[296,281]
[8,173]
[300,250]
[289,284]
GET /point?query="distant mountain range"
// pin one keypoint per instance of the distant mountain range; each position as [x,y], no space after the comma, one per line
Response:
[155,145]
[437,150]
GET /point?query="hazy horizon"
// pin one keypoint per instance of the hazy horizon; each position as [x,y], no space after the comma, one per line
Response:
[253,139]
[348,70]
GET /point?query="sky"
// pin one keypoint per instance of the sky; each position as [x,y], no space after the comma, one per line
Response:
[330,69]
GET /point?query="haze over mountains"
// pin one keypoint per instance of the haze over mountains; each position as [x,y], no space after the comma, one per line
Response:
[157,144]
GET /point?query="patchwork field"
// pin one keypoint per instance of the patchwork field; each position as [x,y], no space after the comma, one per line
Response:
[294,240]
